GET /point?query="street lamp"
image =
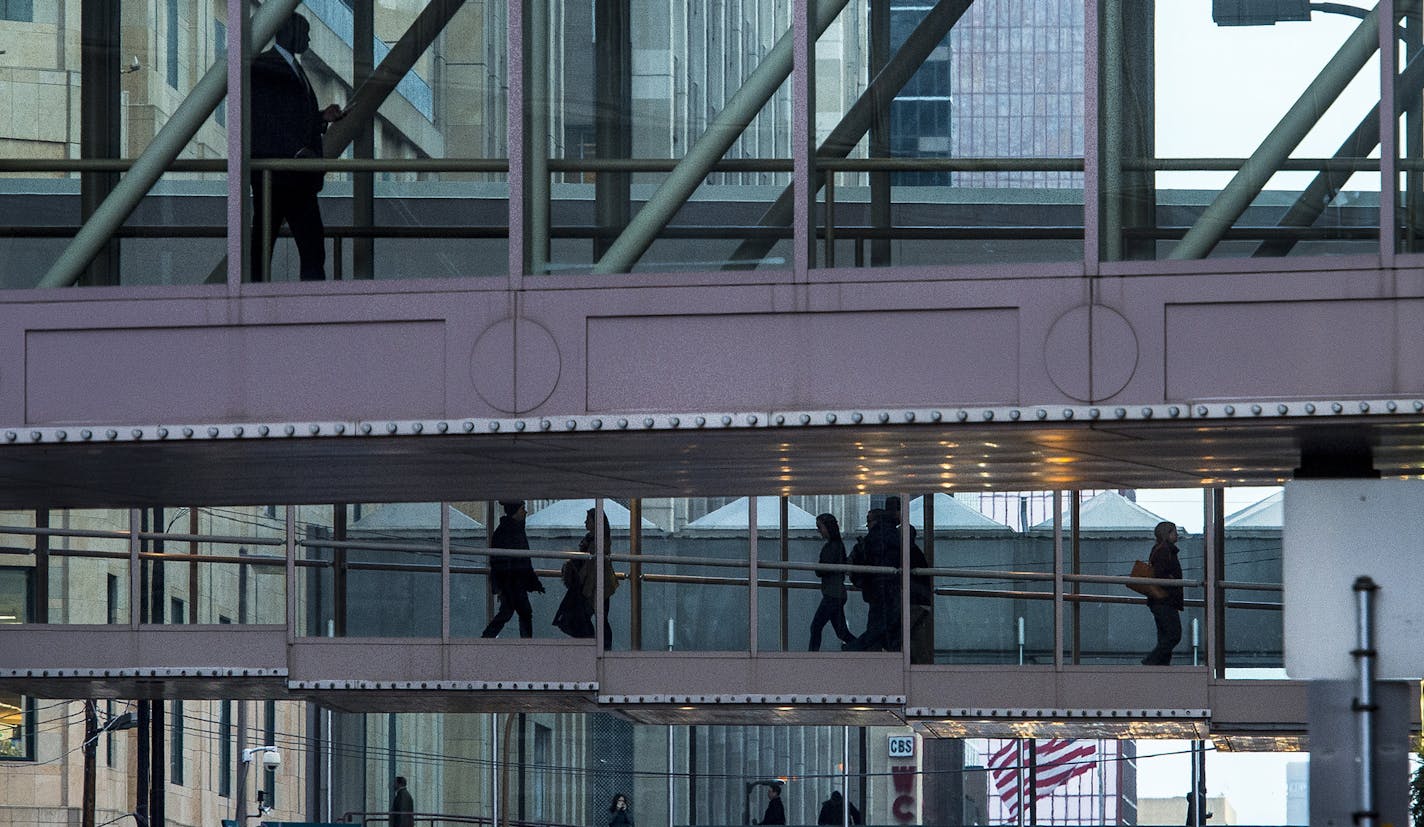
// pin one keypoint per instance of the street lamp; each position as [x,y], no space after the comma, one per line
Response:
[271,759]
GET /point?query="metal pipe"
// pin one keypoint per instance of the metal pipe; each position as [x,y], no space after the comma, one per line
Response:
[363,185]
[216,539]
[1111,100]
[1237,195]
[1313,200]
[879,129]
[859,119]
[536,67]
[612,114]
[1365,708]
[721,133]
[190,115]
[367,98]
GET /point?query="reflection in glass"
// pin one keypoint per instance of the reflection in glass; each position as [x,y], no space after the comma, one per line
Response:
[1106,623]
[1253,556]
[694,593]
[17,727]
[239,576]
[979,157]
[987,617]
[1295,96]
[706,120]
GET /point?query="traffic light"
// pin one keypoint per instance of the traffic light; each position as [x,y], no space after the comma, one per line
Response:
[1258,12]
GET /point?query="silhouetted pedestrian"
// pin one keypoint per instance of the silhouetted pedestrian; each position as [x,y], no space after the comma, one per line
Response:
[621,815]
[402,805]
[775,811]
[833,590]
[1167,609]
[287,124]
[512,578]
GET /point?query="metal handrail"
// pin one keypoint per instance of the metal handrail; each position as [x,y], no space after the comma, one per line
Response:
[784,165]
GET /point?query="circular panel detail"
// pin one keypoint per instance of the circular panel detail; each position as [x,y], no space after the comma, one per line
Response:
[1091,353]
[515,365]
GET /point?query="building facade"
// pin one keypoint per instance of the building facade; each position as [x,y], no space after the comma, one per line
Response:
[727,266]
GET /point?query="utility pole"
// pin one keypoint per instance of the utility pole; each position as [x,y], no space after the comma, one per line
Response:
[91,738]
[141,782]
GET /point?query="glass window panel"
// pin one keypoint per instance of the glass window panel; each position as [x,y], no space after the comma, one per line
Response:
[240,572]
[1253,555]
[1169,188]
[982,613]
[152,57]
[448,110]
[84,568]
[17,727]
[16,595]
[650,86]
[980,156]
[369,570]
[565,527]
[1105,623]
[694,593]
[804,605]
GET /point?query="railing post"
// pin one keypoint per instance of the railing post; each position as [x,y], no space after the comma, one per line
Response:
[1366,814]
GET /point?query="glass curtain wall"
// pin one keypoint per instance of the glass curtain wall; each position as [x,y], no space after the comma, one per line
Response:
[1291,88]
[975,156]
[659,134]
[80,111]
[1252,555]
[992,558]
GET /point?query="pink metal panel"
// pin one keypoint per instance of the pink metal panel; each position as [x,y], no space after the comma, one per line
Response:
[718,673]
[233,373]
[1234,703]
[848,339]
[149,647]
[1117,687]
[1294,348]
[944,687]
[387,659]
[742,361]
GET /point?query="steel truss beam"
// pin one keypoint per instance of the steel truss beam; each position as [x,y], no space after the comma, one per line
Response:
[1322,189]
[204,98]
[165,147]
[721,133]
[1303,115]
[930,32]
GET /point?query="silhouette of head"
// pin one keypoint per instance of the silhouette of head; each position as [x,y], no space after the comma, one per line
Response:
[295,34]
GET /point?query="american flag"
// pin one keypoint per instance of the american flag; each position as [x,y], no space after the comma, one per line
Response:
[1055,762]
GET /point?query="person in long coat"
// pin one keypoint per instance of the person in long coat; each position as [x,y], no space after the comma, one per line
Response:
[512,578]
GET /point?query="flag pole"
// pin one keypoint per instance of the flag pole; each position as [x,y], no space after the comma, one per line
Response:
[1019,774]
[1033,782]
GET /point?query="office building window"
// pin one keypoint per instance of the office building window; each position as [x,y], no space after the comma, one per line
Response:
[17,727]
[175,754]
[220,50]
[543,746]
[19,10]
[171,44]
[178,611]
[15,594]
[111,597]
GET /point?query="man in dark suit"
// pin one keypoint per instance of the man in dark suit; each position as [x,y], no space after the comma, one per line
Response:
[287,124]
[402,806]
